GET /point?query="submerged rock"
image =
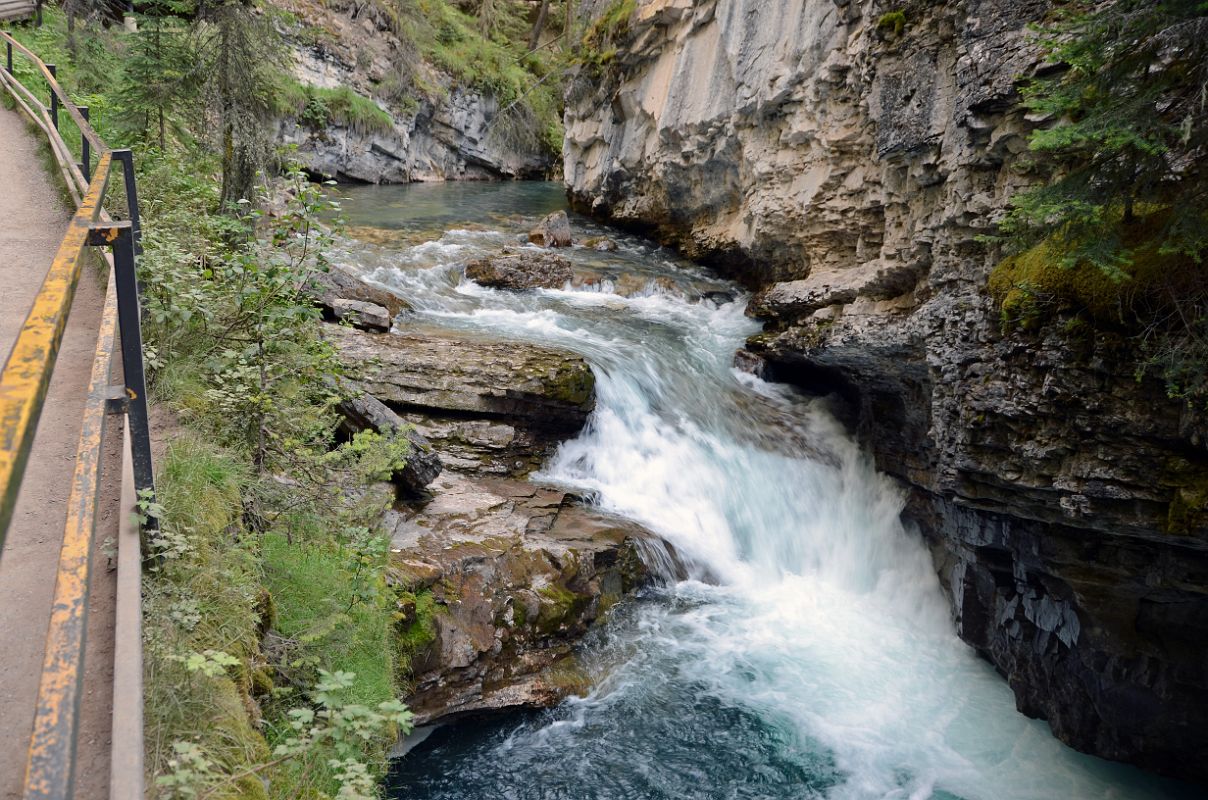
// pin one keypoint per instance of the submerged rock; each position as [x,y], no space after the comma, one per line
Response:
[553,231]
[526,269]
[497,580]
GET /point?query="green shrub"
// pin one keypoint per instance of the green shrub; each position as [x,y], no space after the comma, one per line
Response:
[1155,297]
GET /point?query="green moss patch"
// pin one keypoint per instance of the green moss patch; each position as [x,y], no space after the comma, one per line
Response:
[1040,283]
[415,627]
[893,22]
[318,107]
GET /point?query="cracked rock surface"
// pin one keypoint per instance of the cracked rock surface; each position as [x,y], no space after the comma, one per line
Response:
[846,173]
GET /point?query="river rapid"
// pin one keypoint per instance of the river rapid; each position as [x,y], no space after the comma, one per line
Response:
[811,653]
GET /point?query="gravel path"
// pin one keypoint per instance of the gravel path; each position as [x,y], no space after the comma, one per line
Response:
[33,218]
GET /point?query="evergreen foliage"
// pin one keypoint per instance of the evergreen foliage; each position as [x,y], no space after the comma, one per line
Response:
[1128,102]
[160,74]
[1123,158]
[241,56]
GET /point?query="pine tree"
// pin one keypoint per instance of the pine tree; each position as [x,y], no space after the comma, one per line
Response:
[242,56]
[1125,163]
[1126,159]
[159,79]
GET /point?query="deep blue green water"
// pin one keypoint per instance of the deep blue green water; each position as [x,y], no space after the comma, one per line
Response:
[818,660]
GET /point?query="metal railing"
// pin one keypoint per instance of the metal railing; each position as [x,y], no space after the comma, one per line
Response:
[23,386]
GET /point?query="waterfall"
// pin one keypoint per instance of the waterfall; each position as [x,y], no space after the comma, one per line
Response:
[809,653]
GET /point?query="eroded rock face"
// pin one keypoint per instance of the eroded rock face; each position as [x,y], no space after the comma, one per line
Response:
[439,371]
[506,577]
[847,173]
[448,134]
[526,269]
[497,579]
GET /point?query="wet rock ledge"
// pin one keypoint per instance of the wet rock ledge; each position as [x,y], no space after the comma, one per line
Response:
[497,577]
[498,580]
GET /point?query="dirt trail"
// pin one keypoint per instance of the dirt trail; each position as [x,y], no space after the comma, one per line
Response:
[33,219]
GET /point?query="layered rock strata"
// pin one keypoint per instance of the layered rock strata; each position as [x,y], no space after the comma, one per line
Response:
[506,576]
[445,132]
[497,578]
[847,167]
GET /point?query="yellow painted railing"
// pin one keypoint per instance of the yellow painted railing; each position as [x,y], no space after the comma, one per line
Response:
[23,385]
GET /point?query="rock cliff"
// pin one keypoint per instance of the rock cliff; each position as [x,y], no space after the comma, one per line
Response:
[844,159]
[431,126]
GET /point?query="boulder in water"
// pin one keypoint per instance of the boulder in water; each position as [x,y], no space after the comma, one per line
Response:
[520,270]
[500,579]
[601,244]
[553,231]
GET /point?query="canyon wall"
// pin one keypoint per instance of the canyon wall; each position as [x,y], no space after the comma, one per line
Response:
[844,157]
[438,128]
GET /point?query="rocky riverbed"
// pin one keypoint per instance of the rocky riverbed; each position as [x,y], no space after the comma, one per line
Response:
[498,577]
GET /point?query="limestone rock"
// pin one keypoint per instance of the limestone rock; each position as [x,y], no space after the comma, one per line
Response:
[849,179]
[513,574]
[484,446]
[366,412]
[525,269]
[439,371]
[342,283]
[447,132]
[553,231]
[367,316]
[601,244]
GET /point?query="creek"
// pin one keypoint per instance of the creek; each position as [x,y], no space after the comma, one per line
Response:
[811,652]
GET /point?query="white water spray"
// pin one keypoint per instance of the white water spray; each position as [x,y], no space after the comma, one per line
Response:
[821,616]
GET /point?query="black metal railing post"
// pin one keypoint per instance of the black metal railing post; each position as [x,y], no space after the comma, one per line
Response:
[54,98]
[130,329]
[127,159]
[8,62]
[85,149]
[39,13]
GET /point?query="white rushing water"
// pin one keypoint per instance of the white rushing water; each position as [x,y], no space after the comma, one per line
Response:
[812,654]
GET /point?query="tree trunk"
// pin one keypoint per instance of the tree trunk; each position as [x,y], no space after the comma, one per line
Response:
[539,26]
[572,7]
[486,17]
[70,8]
[227,105]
